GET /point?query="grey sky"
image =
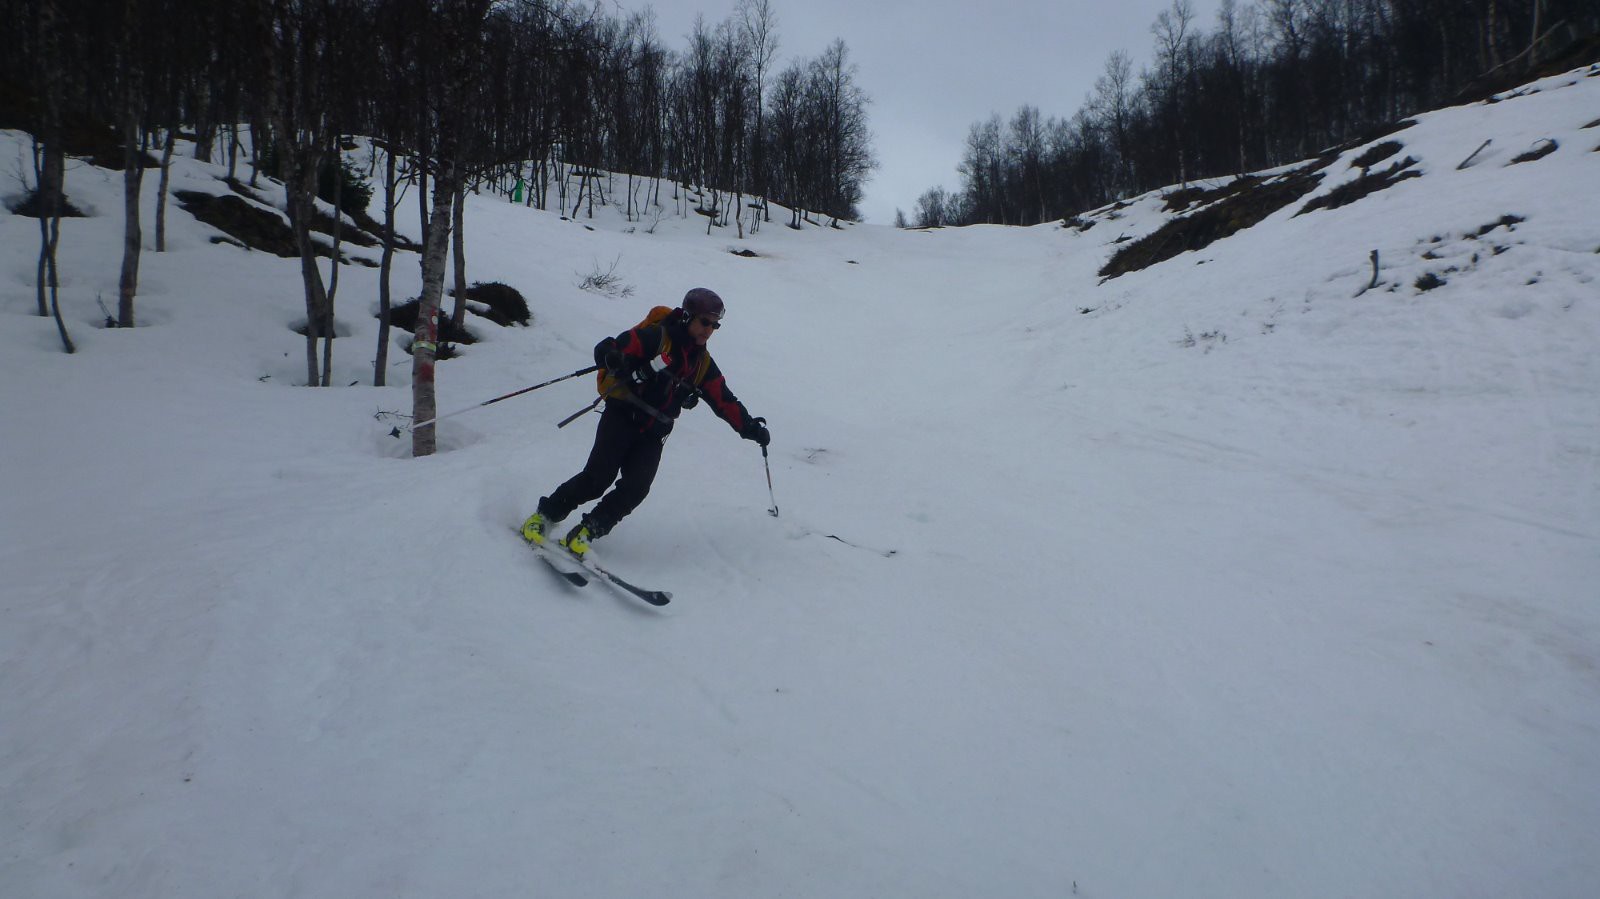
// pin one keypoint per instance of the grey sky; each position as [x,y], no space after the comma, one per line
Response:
[934,68]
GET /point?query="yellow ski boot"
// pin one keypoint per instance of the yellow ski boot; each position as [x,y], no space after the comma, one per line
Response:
[535,528]
[577,539]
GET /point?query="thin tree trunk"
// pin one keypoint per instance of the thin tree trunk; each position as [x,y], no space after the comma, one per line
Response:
[1533,43]
[41,180]
[132,231]
[384,268]
[52,169]
[577,204]
[301,185]
[255,153]
[1491,46]
[422,200]
[161,191]
[458,242]
[425,340]
[55,285]
[333,274]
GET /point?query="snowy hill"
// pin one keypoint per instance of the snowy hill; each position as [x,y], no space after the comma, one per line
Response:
[1235,575]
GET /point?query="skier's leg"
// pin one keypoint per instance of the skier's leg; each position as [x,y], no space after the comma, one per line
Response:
[612,439]
[639,467]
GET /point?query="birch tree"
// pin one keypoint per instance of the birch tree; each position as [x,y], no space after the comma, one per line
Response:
[457,29]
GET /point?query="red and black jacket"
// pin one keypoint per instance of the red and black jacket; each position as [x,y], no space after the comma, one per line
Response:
[664,385]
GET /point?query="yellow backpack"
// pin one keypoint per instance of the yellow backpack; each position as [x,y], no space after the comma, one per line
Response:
[605,383]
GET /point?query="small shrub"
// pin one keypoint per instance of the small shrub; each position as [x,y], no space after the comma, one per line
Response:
[404,318]
[606,282]
[1368,183]
[506,305]
[1507,221]
[355,195]
[1541,149]
[29,206]
[237,218]
[1376,154]
[1182,200]
[1429,281]
[1248,206]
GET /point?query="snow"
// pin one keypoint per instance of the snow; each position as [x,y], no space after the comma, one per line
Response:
[1215,579]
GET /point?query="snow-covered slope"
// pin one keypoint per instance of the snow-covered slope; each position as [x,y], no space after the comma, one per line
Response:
[1213,579]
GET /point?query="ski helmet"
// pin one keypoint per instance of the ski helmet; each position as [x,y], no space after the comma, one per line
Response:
[703,301]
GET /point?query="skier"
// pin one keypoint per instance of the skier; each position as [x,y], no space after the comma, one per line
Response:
[660,368]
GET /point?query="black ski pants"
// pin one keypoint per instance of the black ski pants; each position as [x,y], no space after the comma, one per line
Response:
[622,445]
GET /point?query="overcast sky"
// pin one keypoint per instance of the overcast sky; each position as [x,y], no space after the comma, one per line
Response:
[933,68]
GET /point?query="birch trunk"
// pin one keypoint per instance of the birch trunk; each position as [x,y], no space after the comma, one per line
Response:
[302,186]
[333,271]
[132,232]
[161,191]
[425,340]
[52,165]
[381,366]
[41,179]
[458,242]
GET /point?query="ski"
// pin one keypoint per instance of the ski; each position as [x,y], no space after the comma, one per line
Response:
[548,556]
[653,597]
[575,578]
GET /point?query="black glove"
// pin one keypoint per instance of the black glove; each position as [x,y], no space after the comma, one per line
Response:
[619,367]
[692,400]
[756,429]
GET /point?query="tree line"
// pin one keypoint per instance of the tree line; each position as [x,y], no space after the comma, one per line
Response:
[454,93]
[1273,82]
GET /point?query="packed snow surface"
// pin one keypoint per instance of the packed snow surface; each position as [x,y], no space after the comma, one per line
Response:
[1223,578]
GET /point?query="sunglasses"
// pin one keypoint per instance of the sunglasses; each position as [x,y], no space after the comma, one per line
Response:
[708,322]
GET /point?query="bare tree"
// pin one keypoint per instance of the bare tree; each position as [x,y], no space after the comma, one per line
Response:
[842,130]
[50,159]
[457,31]
[1113,103]
[759,21]
[1171,30]
[131,69]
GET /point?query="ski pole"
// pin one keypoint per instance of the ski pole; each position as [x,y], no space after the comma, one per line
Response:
[774,510]
[619,392]
[574,416]
[439,418]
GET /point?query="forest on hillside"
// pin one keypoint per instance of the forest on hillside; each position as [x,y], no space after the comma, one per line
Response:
[452,93]
[1273,82]
[554,82]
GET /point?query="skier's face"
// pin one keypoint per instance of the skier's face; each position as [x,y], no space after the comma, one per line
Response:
[701,327]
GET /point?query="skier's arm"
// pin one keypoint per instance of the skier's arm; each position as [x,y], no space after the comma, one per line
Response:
[729,409]
[628,349]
